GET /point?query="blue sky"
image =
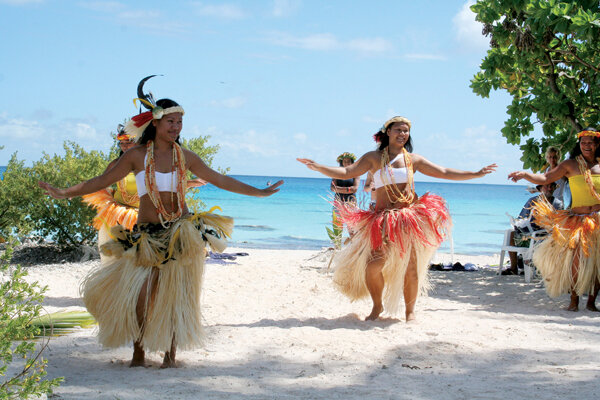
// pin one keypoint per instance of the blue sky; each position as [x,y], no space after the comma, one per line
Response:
[268,80]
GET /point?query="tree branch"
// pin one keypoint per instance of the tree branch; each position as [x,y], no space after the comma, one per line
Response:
[571,117]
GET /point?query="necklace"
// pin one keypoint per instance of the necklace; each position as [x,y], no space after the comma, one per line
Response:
[392,191]
[129,199]
[587,175]
[177,166]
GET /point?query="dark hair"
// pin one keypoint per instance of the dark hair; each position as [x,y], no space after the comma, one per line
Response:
[384,140]
[150,131]
[576,150]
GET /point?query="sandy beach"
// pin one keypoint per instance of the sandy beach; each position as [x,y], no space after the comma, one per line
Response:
[278,329]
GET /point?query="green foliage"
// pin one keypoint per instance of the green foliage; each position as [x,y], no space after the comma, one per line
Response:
[207,153]
[335,232]
[20,303]
[14,193]
[545,54]
[62,322]
[67,221]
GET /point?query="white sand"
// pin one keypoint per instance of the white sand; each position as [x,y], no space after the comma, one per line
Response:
[278,329]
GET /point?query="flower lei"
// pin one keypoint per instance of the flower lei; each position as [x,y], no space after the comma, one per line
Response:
[393,193]
[587,175]
[177,165]
[129,199]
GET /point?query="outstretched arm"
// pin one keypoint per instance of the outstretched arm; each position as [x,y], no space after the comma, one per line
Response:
[428,168]
[116,172]
[204,172]
[354,170]
[560,171]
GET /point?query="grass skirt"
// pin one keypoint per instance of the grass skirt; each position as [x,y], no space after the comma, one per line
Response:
[109,211]
[393,234]
[172,310]
[571,237]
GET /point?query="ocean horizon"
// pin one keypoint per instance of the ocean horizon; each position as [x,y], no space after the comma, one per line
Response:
[297,216]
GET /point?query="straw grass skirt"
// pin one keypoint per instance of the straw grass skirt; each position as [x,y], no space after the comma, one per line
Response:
[172,309]
[571,237]
[394,234]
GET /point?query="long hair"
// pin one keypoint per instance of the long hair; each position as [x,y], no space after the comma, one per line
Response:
[576,150]
[150,131]
[384,140]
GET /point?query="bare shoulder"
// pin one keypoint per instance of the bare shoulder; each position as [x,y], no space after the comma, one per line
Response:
[415,158]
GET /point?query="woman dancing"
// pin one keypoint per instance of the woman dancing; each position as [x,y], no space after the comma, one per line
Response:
[569,257]
[147,289]
[389,253]
[120,206]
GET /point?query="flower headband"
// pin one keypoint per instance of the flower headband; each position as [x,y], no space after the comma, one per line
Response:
[121,135]
[346,155]
[377,136]
[588,133]
[137,124]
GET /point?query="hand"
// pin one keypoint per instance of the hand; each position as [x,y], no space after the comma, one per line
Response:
[516,176]
[192,183]
[487,170]
[271,189]
[52,191]
[309,163]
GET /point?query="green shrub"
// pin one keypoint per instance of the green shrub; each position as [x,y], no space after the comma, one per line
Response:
[15,191]
[66,221]
[20,303]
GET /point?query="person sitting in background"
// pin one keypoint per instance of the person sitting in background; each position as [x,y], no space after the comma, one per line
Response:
[520,235]
[561,202]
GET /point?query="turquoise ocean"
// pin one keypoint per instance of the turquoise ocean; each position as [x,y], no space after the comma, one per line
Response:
[296,216]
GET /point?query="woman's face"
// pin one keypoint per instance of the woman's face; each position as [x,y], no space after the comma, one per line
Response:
[399,132]
[126,145]
[552,158]
[169,127]
[588,146]
[346,162]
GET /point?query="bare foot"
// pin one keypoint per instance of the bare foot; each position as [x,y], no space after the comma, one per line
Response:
[374,313]
[591,307]
[411,316]
[573,307]
[169,360]
[139,357]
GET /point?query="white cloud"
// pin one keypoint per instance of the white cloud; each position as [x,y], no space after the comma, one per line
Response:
[367,45]
[328,41]
[423,56]
[300,137]
[223,11]
[320,41]
[285,8]
[468,31]
[20,129]
[233,102]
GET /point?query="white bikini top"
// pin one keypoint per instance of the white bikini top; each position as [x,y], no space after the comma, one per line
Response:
[399,175]
[166,181]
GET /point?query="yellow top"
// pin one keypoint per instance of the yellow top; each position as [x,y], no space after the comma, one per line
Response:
[580,193]
[131,189]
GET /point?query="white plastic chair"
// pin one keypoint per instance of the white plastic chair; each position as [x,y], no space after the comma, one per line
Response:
[526,252]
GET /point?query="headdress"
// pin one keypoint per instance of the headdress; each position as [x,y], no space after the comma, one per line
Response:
[377,136]
[137,124]
[122,135]
[588,133]
[346,155]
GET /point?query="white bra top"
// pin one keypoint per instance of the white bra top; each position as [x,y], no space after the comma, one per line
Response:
[400,175]
[166,181]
